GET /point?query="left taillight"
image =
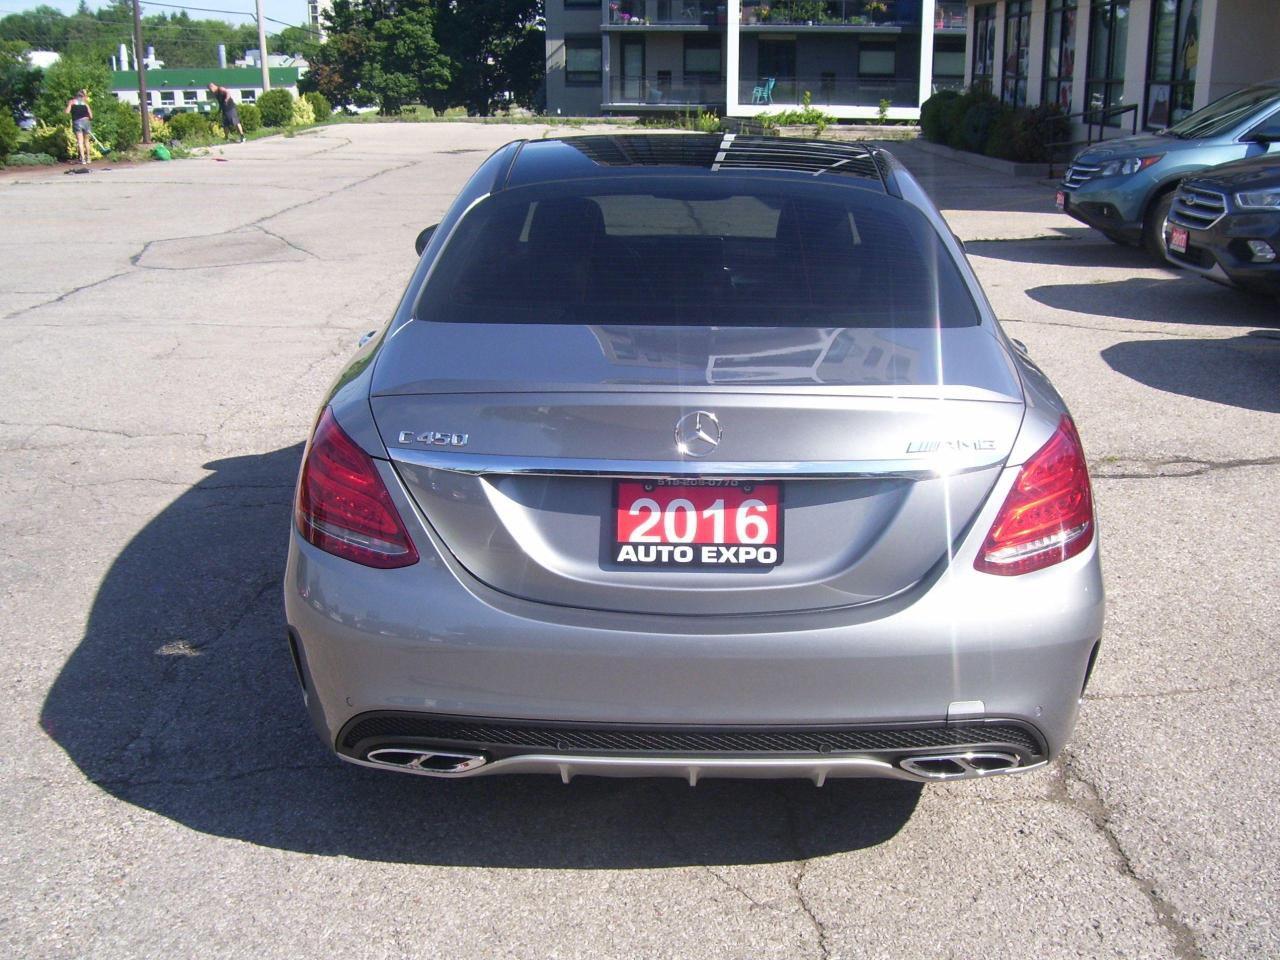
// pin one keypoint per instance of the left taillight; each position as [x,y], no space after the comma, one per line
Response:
[344,507]
[1047,516]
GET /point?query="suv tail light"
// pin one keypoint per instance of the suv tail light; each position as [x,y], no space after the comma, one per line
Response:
[344,507]
[1048,514]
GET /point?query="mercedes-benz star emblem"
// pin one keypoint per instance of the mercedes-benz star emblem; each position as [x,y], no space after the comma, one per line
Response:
[697,433]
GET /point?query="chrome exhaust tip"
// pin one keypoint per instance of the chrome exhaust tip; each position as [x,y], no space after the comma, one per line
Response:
[956,766]
[417,760]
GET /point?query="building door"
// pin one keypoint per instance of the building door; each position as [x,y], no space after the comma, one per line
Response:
[633,70]
[777,61]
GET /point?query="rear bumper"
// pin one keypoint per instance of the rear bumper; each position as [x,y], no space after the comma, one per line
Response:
[1221,253]
[467,746]
[430,641]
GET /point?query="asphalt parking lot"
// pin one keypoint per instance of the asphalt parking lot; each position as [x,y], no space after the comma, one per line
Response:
[167,332]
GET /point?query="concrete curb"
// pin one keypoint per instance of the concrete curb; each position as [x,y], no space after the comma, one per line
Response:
[1007,167]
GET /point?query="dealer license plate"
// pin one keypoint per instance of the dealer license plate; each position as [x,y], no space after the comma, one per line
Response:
[1061,200]
[697,523]
[1178,239]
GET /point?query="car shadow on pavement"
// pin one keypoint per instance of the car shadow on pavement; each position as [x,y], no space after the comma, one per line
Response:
[181,700]
[1241,371]
[1184,299]
[1064,252]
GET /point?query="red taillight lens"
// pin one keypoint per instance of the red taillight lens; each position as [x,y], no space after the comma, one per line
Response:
[343,506]
[1048,514]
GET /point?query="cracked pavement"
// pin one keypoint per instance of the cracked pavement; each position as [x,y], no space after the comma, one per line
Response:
[169,330]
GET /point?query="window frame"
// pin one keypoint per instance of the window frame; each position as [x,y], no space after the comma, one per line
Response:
[1109,82]
[1195,8]
[1016,12]
[585,78]
[984,44]
[701,42]
[877,46]
[1067,15]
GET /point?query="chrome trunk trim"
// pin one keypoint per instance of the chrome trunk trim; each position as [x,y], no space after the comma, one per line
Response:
[479,464]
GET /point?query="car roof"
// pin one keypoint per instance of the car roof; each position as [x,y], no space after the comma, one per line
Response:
[700,154]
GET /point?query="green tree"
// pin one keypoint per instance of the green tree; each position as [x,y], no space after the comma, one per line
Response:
[291,40]
[64,79]
[19,81]
[499,51]
[43,28]
[379,51]
[8,135]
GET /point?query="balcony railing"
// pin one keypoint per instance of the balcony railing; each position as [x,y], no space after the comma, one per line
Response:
[829,92]
[849,13]
[664,92]
[680,12]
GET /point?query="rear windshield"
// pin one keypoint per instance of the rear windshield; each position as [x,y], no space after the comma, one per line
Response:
[697,251]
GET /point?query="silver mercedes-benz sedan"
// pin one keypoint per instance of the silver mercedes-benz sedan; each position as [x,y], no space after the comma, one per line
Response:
[693,456]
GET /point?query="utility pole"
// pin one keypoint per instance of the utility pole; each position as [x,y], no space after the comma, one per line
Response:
[144,101]
[262,48]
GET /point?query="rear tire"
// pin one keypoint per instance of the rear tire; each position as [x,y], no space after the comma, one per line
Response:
[1154,223]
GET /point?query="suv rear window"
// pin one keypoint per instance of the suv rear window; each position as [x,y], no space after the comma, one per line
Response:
[697,251]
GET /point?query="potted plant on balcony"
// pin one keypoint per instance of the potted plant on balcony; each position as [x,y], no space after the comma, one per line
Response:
[878,10]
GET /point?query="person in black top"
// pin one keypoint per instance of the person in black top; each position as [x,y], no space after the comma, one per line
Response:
[81,117]
[230,116]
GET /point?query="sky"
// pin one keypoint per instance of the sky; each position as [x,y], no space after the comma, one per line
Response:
[289,11]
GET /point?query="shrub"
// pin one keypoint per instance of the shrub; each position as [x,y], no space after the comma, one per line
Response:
[118,126]
[807,116]
[190,126]
[301,114]
[975,126]
[951,115]
[1024,135]
[8,132]
[320,104]
[933,115]
[276,107]
[160,130]
[250,117]
[30,160]
[1041,126]
[1002,136]
[59,142]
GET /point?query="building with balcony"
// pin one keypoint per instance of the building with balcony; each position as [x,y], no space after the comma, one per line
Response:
[742,58]
[1127,65]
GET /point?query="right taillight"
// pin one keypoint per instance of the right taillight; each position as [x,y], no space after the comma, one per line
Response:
[344,507]
[1048,514]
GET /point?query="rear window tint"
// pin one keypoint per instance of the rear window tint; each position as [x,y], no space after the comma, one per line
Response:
[696,251]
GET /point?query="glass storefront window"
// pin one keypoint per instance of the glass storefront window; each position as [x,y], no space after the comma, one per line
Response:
[1059,53]
[1108,35]
[984,47]
[1175,52]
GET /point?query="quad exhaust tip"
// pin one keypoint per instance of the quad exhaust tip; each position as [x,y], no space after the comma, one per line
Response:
[426,761]
[954,766]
